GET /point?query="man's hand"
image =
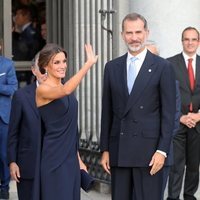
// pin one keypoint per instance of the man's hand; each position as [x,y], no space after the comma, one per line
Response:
[189,120]
[157,163]
[194,116]
[14,171]
[105,161]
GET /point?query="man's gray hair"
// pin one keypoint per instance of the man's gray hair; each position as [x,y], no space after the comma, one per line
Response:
[34,62]
[134,17]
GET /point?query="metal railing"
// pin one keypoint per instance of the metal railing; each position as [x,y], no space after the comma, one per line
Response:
[91,22]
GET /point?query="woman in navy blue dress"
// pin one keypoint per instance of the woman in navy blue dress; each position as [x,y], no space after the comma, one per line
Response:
[59,166]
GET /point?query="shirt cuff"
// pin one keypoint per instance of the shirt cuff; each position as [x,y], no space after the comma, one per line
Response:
[162,152]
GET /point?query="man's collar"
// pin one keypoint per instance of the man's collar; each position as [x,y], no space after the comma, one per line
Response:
[140,56]
[186,57]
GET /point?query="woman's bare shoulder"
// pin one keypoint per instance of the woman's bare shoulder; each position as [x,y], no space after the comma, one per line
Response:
[41,93]
[43,87]
[47,91]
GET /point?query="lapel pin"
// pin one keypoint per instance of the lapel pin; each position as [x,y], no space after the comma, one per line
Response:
[149,70]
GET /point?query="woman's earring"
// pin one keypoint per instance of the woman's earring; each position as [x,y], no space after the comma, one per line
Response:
[46,73]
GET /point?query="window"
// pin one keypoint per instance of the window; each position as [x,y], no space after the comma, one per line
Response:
[28,36]
[27,19]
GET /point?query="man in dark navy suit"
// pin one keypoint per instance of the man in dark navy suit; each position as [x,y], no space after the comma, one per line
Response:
[26,38]
[138,121]
[8,85]
[24,130]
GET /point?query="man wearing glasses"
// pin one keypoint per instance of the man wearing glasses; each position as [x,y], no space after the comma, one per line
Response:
[186,142]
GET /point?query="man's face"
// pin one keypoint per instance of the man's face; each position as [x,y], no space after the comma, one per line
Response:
[44,31]
[190,42]
[25,2]
[40,77]
[19,18]
[135,35]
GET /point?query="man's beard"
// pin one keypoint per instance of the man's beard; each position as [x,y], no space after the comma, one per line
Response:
[135,49]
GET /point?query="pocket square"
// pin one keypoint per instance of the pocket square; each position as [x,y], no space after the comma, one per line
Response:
[2,74]
[87,181]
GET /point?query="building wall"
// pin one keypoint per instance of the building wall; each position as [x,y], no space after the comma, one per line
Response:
[166,20]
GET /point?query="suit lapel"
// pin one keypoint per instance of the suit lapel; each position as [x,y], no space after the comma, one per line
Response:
[197,81]
[31,98]
[184,72]
[124,81]
[147,70]
[121,77]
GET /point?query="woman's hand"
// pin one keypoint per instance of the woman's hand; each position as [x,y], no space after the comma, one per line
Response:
[91,57]
[82,164]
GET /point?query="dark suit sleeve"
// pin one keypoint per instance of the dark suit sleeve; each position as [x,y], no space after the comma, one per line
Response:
[14,128]
[168,104]
[107,115]
[178,109]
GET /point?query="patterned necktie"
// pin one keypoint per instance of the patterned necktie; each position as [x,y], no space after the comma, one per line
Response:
[131,74]
[191,78]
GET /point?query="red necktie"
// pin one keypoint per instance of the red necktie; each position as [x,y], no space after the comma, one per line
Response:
[191,78]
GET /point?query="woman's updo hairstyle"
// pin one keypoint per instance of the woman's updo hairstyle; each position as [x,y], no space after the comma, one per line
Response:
[47,53]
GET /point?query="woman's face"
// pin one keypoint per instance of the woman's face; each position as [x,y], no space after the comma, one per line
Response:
[57,66]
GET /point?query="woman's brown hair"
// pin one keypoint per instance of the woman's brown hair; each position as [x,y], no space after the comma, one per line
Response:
[47,53]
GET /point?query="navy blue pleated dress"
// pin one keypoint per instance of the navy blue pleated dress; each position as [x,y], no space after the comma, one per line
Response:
[59,173]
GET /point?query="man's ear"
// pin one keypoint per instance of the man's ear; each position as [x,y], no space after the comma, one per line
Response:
[122,34]
[33,71]
[147,33]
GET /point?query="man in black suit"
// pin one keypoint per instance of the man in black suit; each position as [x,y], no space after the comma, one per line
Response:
[24,130]
[138,121]
[187,140]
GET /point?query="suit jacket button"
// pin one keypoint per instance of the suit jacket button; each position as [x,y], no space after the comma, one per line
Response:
[141,107]
[121,133]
